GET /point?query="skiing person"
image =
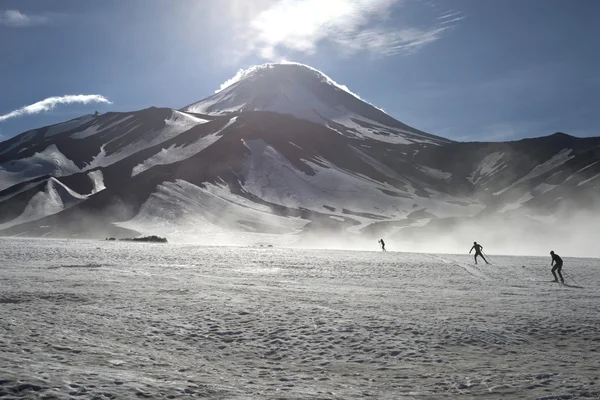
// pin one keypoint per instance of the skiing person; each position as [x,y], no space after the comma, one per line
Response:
[478,248]
[380,241]
[559,263]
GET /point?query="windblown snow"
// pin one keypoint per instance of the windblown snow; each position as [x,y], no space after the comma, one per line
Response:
[248,73]
[49,162]
[186,211]
[55,198]
[271,177]
[92,319]
[554,162]
[489,165]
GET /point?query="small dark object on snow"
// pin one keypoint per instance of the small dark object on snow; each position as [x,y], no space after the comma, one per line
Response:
[151,239]
[380,241]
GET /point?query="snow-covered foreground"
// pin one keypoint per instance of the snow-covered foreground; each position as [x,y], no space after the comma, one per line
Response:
[83,319]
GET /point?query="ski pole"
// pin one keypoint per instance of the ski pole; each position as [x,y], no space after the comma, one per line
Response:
[571,278]
[486,256]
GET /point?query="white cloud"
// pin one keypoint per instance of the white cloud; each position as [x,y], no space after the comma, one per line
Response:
[352,25]
[16,18]
[51,102]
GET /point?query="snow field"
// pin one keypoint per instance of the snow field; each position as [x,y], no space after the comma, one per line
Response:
[123,320]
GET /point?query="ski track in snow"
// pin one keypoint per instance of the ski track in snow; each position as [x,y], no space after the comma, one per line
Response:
[86,319]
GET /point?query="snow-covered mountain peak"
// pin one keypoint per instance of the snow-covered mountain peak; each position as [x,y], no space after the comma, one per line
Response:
[306,93]
[292,70]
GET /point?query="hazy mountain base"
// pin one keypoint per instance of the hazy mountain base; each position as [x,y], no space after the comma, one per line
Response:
[288,152]
[124,320]
[575,234]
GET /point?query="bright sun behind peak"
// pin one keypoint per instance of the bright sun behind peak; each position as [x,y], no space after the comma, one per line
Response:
[293,68]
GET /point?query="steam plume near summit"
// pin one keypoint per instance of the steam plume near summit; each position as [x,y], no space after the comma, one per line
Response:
[51,102]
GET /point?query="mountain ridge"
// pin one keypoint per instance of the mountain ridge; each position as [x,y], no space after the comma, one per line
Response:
[244,171]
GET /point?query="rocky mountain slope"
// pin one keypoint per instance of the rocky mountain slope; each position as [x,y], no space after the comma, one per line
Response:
[282,150]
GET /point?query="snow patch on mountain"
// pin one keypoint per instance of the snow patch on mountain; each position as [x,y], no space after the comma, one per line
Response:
[271,177]
[289,98]
[436,173]
[588,166]
[67,126]
[588,180]
[22,189]
[177,123]
[305,93]
[53,199]
[378,165]
[490,164]
[23,138]
[554,162]
[576,173]
[516,204]
[362,128]
[543,188]
[97,179]
[181,209]
[247,73]
[99,128]
[175,154]
[296,100]
[48,162]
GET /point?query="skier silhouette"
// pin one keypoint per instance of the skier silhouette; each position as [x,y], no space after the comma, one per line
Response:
[382,244]
[559,263]
[478,248]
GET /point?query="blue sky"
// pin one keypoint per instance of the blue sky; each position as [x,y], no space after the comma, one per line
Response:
[463,69]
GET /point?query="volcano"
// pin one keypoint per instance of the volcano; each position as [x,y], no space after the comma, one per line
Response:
[308,94]
[282,152]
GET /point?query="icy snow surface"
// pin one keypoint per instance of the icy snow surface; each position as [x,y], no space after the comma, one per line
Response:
[86,319]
